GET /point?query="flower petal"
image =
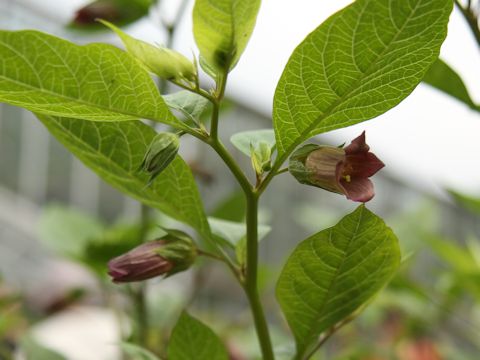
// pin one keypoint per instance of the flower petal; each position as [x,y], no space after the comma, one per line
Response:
[358,145]
[363,165]
[358,189]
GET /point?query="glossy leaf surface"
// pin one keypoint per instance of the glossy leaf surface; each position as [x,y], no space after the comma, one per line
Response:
[334,272]
[358,64]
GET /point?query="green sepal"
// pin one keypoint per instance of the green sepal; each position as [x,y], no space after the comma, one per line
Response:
[179,248]
[166,63]
[296,165]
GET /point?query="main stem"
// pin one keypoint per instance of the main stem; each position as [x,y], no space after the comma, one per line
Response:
[251,195]
[251,286]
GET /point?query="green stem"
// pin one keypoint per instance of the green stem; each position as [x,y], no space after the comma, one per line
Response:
[275,171]
[471,19]
[219,93]
[142,315]
[251,286]
[250,283]
[139,294]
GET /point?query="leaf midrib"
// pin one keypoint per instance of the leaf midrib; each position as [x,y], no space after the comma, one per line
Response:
[330,110]
[80,101]
[337,271]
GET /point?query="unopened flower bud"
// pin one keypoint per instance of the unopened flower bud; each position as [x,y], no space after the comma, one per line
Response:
[340,170]
[166,256]
[166,63]
[160,154]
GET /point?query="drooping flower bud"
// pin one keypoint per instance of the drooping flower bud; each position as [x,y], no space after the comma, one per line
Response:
[340,170]
[160,154]
[166,256]
[88,14]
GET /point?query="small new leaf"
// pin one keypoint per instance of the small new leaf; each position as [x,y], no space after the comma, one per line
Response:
[260,157]
[191,339]
[191,105]
[244,140]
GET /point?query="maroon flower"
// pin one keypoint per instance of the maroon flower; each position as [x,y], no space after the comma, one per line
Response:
[341,170]
[166,256]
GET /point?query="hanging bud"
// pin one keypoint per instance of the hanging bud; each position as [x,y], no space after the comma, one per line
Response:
[166,63]
[166,256]
[88,14]
[340,170]
[261,157]
[160,154]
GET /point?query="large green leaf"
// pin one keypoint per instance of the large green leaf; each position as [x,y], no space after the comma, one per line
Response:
[192,339]
[445,79]
[222,29]
[334,272]
[114,150]
[358,64]
[52,76]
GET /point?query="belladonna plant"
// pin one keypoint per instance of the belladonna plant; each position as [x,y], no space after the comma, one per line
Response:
[358,64]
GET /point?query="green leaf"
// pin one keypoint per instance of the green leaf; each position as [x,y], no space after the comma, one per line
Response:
[243,141]
[67,231]
[444,78]
[222,29]
[136,352]
[114,150]
[192,339]
[191,105]
[111,243]
[233,232]
[261,157]
[459,258]
[119,12]
[231,208]
[470,203]
[99,82]
[358,64]
[334,272]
